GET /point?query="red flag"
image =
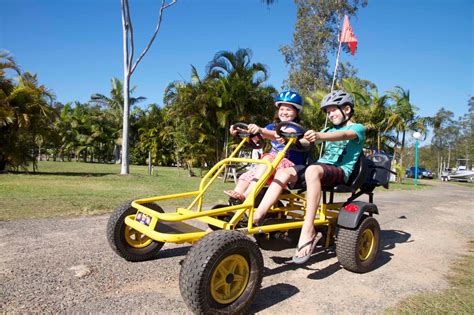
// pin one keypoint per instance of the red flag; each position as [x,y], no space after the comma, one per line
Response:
[347,35]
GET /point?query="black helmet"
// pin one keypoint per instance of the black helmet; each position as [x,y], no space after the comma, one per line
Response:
[337,98]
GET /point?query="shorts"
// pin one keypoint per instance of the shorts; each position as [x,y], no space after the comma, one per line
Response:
[332,176]
[250,174]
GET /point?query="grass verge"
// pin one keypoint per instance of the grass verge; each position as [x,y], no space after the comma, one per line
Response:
[74,188]
[457,299]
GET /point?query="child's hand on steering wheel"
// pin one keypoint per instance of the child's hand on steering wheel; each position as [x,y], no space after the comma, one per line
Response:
[285,129]
[311,135]
[254,129]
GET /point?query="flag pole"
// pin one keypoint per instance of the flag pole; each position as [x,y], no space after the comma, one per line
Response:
[337,56]
[335,71]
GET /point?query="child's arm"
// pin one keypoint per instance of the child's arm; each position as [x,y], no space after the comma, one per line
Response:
[266,133]
[312,135]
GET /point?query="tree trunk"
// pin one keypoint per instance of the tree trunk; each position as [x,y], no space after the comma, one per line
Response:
[378,140]
[449,155]
[402,148]
[126,112]
[149,162]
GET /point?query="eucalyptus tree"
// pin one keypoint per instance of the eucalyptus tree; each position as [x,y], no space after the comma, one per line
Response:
[129,67]
[314,39]
[442,141]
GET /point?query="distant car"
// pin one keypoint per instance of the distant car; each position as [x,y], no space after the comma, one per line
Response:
[422,173]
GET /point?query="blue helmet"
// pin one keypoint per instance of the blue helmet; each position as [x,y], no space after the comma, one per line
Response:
[289,97]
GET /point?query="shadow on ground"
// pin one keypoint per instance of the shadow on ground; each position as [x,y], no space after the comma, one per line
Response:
[272,295]
[388,240]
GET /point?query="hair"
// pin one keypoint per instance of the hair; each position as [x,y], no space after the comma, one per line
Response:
[351,113]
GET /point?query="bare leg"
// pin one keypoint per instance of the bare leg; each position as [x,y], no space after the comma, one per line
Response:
[241,186]
[261,168]
[313,176]
[281,179]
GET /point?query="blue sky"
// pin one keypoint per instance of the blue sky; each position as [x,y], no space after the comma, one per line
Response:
[75,46]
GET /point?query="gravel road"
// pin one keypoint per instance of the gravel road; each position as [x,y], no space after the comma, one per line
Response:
[66,265]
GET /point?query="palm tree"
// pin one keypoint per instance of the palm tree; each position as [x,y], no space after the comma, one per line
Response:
[114,106]
[403,117]
[239,79]
[26,117]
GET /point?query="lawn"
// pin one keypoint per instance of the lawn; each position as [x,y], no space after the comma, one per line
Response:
[76,188]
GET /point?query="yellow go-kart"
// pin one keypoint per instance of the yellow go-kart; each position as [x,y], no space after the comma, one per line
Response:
[222,272]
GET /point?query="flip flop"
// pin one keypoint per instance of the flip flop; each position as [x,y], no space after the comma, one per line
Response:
[235,198]
[312,243]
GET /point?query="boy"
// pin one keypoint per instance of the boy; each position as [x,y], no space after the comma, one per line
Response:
[344,143]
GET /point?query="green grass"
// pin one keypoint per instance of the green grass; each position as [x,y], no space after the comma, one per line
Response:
[458,299]
[71,189]
[406,184]
[75,188]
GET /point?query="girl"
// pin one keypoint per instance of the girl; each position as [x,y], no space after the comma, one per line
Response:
[289,106]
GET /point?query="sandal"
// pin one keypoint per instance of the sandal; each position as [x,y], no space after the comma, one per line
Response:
[312,243]
[236,198]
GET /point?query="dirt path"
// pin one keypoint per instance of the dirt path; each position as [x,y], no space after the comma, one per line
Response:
[66,265]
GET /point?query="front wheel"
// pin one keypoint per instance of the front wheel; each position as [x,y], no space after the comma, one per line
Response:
[357,249]
[221,274]
[127,242]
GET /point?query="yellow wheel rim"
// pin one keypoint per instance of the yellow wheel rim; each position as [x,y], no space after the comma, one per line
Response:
[229,279]
[366,244]
[136,239]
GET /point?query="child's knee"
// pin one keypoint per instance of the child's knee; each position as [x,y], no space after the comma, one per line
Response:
[282,176]
[314,172]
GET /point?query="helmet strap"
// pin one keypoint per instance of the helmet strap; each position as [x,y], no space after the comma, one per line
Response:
[345,117]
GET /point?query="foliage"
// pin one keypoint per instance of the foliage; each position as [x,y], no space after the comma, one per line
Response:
[232,90]
[26,116]
[192,128]
[314,39]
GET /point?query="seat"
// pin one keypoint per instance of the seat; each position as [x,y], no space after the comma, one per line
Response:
[357,178]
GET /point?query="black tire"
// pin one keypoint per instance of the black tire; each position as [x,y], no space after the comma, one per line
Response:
[274,241]
[127,242]
[220,217]
[204,278]
[357,249]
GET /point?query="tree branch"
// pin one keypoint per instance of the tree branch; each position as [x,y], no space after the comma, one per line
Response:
[157,29]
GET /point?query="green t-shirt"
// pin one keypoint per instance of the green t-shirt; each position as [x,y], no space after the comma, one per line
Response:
[344,153]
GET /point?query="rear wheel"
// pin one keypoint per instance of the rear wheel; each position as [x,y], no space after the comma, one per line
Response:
[357,249]
[128,243]
[221,274]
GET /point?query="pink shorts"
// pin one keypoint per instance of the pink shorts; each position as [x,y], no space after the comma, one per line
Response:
[250,174]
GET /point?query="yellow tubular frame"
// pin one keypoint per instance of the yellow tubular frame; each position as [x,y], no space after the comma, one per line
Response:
[295,202]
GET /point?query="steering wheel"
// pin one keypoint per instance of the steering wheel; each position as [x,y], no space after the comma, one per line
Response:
[255,140]
[298,134]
